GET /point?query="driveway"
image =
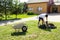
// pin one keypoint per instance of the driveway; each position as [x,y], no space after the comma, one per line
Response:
[54,18]
[51,17]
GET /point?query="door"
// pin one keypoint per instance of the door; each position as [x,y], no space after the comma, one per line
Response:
[54,9]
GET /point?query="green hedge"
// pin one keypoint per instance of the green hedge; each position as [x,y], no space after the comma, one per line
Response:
[30,13]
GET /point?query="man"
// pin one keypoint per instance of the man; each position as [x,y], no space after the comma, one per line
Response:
[41,17]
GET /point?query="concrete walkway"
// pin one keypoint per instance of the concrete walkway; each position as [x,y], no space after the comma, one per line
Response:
[52,18]
[2,23]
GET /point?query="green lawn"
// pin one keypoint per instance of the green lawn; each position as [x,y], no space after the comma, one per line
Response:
[33,33]
[18,16]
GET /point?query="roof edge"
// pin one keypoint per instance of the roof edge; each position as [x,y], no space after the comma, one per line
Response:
[37,2]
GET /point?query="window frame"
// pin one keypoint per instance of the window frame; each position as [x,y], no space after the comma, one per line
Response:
[30,9]
[39,8]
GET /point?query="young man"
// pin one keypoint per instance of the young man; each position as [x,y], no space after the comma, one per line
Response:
[41,17]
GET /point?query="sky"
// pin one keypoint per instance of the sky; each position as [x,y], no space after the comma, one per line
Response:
[27,0]
[23,0]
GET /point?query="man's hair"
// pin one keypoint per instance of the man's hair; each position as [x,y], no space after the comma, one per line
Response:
[46,15]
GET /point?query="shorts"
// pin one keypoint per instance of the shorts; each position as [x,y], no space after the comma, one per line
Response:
[40,18]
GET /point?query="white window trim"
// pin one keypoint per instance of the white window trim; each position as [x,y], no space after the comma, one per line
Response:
[30,9]
[39,8]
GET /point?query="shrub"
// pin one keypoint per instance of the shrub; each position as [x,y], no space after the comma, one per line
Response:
[30,13]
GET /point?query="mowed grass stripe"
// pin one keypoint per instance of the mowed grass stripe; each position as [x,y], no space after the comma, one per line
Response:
[4,29]
[33,33]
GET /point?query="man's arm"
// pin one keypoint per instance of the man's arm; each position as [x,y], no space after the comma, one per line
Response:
[46,17]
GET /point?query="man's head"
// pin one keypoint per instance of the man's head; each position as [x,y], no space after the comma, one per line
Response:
[46,15]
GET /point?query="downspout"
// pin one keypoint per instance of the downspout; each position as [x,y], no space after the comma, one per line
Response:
[50,3]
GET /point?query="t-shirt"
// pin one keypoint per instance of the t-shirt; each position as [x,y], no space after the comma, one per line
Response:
[42,15]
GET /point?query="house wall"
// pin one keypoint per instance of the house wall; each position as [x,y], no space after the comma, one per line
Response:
[51,9]
[58,8]
[35,6]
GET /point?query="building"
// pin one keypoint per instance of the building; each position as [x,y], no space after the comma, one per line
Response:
[44,6]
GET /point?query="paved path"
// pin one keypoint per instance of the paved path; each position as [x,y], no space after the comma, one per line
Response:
[52,18]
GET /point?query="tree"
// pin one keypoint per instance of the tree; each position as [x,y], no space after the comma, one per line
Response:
[25,7]
[12,6]
[5,5]
[1,6]
[15,7]
[8,5]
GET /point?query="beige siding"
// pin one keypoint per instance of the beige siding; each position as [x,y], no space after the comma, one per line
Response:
[43,5]
[35,6]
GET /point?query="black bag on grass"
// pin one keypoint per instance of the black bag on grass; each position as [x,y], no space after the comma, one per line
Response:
[52,26]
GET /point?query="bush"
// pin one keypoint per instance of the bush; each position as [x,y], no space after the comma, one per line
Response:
[30,13]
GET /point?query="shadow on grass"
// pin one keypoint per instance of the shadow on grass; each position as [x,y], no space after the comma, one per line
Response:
[18,33]
[9,20]
[47,28]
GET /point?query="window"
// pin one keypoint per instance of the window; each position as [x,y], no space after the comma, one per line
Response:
[39,8]
[57,1]
[30,9]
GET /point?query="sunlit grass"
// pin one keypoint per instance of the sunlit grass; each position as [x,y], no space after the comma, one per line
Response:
[33,32]
[13,16]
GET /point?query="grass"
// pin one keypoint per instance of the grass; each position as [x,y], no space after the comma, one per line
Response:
[33,32]
[18,16]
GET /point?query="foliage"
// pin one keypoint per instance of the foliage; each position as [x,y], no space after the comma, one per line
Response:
[30,13]
[25,7]
[8,7]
